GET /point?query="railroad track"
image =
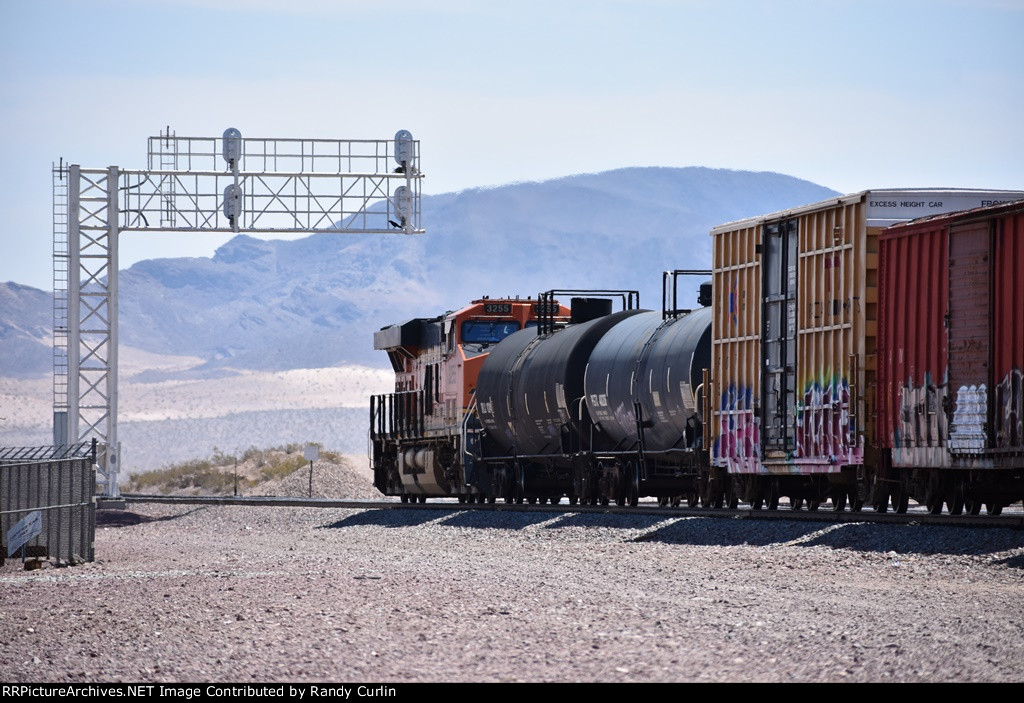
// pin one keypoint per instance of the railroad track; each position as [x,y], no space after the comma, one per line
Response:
[1012,517]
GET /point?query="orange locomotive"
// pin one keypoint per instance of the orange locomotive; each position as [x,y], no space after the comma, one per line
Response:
[423,434]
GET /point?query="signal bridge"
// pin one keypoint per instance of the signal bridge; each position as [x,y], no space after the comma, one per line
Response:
[198,184]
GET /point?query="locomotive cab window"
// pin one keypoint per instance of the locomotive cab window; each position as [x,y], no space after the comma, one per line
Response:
[487,331]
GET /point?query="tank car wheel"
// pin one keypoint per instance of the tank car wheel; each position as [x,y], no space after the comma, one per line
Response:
[490,499]
[662,501]
[555,500]
[797,503]
[422,499]
[573,500]
[993,509]
[813,505]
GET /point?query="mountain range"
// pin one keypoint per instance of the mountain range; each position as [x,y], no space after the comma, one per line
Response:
[315,302]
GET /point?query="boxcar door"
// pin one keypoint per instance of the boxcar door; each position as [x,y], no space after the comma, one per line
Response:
[970,319]
[778,337]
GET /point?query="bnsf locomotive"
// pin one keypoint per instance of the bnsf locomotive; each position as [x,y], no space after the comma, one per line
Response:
[848,351]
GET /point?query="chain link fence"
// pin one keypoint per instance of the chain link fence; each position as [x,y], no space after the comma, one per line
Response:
[58,483]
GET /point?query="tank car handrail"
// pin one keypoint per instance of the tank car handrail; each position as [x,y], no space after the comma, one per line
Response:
[675,274]
[548,306]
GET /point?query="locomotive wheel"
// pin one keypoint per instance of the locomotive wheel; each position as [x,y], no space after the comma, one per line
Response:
[555,500]
[531,500]
[797,503]
[972,507]
[573,500]
[691,499]
[662,501]
[813,505]
[604,500]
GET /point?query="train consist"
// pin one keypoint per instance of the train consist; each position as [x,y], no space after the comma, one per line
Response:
[865,350]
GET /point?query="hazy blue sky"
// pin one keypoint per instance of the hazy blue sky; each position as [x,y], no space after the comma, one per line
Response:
[850,95]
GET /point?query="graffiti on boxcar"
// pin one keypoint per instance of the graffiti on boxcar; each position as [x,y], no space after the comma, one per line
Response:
[1010,411]
[922,420]
[967,433]
[738,445]
[824,427]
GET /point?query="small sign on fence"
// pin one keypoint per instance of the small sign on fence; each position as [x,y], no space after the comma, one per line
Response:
[25,529]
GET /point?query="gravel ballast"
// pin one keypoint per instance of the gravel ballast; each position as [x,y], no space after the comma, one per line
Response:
[274,594]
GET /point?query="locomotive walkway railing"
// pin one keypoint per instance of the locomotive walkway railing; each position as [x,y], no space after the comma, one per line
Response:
[397,415]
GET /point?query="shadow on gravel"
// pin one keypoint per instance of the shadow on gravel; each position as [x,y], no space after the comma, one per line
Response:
[903,539]
[1016,562]
[126,518]
[715,532]
[495,520]
[625,522]
[385,518]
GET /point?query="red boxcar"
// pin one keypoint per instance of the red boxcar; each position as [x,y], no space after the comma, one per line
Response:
[951,357]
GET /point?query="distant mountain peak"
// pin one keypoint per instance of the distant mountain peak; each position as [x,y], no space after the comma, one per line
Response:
[316,301]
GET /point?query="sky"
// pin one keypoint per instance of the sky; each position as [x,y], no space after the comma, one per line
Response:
[849,94]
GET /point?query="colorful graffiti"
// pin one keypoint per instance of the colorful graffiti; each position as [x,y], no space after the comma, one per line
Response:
[967,433]
[738,445]
[824,429]
[923,421]
[1009,418]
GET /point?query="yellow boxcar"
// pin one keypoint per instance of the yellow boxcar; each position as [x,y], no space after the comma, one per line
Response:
[794,333]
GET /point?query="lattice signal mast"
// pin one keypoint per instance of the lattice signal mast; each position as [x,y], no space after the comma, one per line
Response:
[198,184]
